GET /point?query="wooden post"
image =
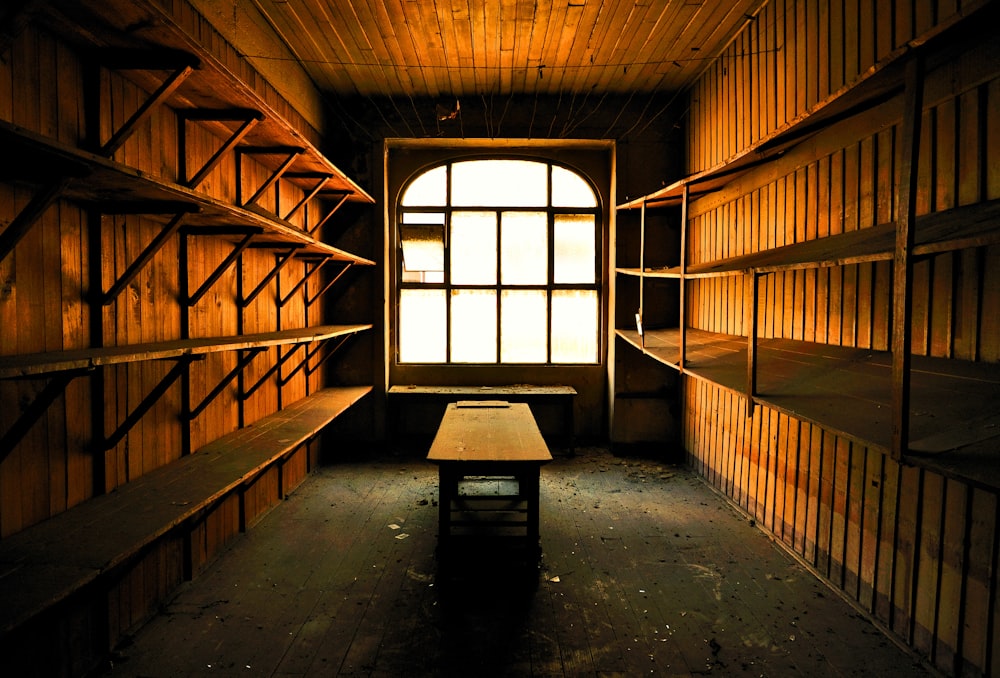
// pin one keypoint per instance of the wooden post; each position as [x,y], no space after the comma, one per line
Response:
[682,311]
[750,280]
[902,273]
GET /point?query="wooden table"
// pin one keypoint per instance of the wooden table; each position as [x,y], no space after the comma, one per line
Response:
[488,439]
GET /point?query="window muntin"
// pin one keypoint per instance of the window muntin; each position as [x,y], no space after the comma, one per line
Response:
[518,242]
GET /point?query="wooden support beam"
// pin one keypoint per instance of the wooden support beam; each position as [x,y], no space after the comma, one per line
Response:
[305,278]
[27,217]
[274,368]
[147,403]
[640,319]
[341,199]
[182,65]
[326,356]
[750,281]
[15,20]
[331,283]
[34,411]
[222,267]
[291,153]
[245,359]
[282,261]
[682,312]
[248,119]
[321,179]
[902,273]
[140,262]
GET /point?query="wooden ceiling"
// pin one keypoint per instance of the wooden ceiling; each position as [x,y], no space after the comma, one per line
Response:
[461,48]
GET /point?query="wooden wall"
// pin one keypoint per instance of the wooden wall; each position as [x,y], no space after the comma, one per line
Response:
[915,550]
[48,284]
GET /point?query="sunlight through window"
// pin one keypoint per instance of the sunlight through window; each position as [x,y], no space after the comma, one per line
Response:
[498,264]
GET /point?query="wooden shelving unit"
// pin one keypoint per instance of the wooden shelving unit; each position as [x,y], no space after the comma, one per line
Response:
[181,74]
[196,203]
[945,408]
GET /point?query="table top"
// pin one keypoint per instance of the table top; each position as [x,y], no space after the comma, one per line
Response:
[490,431]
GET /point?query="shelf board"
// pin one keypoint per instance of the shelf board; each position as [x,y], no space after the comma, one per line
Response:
[42,567]
[875,85]
[212,86]
[848,390]
[40,364]
[948,230]
[98,181]
[671,272]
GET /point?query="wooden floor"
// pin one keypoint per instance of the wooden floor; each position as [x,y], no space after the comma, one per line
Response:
[644,571]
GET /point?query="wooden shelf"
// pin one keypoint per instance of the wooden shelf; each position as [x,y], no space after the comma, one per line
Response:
[671,272]
[954,229]
[114,186]
[41,567]
[954,403]
[112,24]
[40,364]
[874,86]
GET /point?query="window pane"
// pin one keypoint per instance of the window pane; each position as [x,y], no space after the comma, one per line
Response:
[422,326]
[499,183]
[474,248]
[569,189]
[574,326]
[522,326]
[428,189]
[574,254]
[473,326]
[524,257]
[423,247]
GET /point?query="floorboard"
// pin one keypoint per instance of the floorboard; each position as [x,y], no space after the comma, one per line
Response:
[644,571]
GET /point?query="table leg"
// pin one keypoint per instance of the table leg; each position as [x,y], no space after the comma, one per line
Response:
[530,492]
[447,489]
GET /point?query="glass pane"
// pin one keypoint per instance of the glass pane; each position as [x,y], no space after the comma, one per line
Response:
[427,189]
[499,183]
[574,326]
[569,189]
[423,218]
[473,326]
[573,260]
[474,248]
[422,326]
[524,257]
[423,247]
[522,326]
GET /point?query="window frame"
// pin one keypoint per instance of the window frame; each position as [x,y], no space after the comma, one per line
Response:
[597,286]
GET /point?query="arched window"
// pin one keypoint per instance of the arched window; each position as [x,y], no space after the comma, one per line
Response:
[499,263]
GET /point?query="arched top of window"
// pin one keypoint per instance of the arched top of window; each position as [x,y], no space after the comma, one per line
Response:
[499,183]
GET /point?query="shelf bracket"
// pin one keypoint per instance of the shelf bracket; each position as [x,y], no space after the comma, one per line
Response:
[283,260]
[342,197]
[340,274]
[17,19]
[248,236]
[245,359]
[247,118]
[288,297]
[304,364]
[274,368]
[291,153]
[321,179]
[326,356]
[147,403]
[31,212]
[155,245]
[180,65]
[902,267]
[56,386]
